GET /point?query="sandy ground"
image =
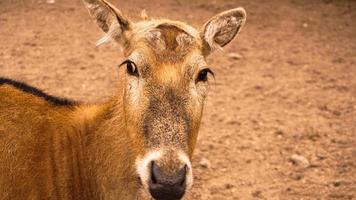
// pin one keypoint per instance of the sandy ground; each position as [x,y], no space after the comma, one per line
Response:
[292,91]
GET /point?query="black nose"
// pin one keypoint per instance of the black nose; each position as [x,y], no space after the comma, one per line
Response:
[167,187]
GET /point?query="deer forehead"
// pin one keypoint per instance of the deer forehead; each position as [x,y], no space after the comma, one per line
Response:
[142,27]
[169,50]
[167,40]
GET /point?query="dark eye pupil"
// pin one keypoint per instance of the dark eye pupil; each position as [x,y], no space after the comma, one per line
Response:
[131,68]
[203,75]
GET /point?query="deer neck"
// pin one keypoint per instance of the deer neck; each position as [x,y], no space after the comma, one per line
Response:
[108,151]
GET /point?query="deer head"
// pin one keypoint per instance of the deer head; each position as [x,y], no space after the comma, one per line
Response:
[164,82]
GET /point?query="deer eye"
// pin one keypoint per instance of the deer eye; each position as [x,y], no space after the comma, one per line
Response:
[131,68]
[203,75]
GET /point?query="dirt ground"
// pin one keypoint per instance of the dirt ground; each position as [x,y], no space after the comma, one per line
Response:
[291,92]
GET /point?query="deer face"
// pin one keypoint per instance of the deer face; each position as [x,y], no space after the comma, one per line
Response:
[165,82]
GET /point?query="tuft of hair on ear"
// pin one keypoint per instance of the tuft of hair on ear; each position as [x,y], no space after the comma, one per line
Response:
[114,30]
[209,39]
[109,19]
[144,15]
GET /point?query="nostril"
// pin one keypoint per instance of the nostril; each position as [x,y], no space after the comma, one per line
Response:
[182,175]
[154,172]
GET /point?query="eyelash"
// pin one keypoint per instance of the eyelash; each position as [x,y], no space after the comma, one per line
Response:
[130,67]
[203,75]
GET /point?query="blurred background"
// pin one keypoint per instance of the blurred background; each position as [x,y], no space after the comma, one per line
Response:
[280,122]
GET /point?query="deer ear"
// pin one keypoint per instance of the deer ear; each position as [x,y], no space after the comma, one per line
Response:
[222,28]
[109,19]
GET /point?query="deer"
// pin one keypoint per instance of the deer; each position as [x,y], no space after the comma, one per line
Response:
[140,141]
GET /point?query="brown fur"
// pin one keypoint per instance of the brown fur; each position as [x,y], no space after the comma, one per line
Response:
[58,152]
[80,151]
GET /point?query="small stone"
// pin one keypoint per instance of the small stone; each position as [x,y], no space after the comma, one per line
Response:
[320,156]
[205,163]
[51,1]
[235,56]
[229,186]
[297,176]
[257,194]
[336,183]
[300,160]
[305,25]
[279,134]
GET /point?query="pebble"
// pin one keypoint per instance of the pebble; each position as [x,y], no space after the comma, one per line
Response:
[279,134]
[257,194]
[320,156]
[300,160]
[205,163]
[336,183]
[229,186]
[235,56]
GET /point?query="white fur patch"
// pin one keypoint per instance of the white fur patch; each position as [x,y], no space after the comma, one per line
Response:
[134,91]
[189,176]
[143,166]
[184,40]
[155,37]
[134,87]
